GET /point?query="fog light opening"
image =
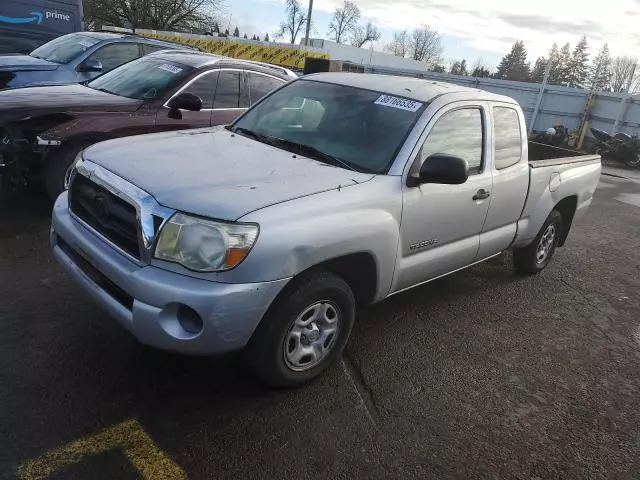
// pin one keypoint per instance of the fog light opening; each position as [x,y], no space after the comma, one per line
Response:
[189,319]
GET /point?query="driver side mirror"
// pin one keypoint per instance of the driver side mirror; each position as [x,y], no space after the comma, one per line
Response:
[90,65]
[443,169]
[184,101]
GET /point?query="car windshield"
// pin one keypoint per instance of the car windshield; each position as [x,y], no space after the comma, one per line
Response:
[146,78]
[64,49]
[346,126]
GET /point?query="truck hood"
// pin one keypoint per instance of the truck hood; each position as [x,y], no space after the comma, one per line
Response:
[217,174]
[18,103]
[25,63]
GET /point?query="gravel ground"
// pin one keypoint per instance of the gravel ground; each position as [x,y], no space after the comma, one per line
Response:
[483,374]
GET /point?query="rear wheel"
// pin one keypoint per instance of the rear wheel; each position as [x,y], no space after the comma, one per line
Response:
[304,331]
[634,161]
[536,256]
[57,165]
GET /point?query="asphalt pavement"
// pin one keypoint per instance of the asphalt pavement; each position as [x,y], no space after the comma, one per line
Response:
[482,374]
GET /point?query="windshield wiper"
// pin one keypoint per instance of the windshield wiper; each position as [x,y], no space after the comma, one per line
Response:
[301,148]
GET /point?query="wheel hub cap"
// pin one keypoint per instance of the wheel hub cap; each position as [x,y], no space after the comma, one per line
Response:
[546,243]
[311,336]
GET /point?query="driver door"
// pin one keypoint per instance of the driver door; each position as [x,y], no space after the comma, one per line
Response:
[441,224]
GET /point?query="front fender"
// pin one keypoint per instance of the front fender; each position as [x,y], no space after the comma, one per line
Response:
[305,232]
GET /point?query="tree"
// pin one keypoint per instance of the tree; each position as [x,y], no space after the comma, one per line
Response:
[266,37]
[622,73]
[295,18]
[479,69]
[564,65]
[600,73]
[216,28]
[537,73]
[236,32]
[344,21]
[578,67]
[245,36]
[362,35]
[437,68]
[226,32]
[425,45]
[183,15]
[513,65]
[459,68]
[400,44]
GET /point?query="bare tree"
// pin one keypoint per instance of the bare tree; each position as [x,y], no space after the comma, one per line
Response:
[295,19]
[622,73]
[345,20]
[362,35]
[425,45]
[400,44]
[189,15]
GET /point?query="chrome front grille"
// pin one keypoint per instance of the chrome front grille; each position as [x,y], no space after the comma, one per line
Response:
[127,217]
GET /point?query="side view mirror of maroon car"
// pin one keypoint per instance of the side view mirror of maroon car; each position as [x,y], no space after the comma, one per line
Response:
[43,129]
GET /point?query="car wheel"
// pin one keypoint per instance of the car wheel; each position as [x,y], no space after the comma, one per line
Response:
[57,165]
[536,256]
[634,161]
[304,331]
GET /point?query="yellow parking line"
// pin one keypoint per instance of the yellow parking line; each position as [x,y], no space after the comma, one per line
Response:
[129,436]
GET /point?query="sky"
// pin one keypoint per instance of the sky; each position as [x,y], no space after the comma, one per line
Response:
[470,29]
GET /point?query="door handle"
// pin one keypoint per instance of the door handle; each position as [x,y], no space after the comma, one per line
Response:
[482,194]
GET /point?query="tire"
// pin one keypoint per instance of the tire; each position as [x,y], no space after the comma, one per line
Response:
[635,161]
[57,165]
[528,260]
[280,338]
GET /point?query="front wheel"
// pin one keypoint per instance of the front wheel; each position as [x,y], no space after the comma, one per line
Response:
[304,331]
[536,256]
[634,161]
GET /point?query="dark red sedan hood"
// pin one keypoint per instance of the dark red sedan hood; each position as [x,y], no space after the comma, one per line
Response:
[19,103]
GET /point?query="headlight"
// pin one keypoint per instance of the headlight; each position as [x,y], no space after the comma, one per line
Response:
[204,245]
[69,173]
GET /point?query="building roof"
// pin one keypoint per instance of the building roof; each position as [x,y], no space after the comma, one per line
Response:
[415,88]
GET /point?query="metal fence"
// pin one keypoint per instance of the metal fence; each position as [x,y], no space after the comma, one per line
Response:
[551,105]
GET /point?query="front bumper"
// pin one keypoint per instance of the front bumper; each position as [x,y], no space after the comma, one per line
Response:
[146,300]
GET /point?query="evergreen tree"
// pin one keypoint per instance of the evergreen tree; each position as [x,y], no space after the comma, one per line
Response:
[579,64]
[216,28]
[266,37]
[245,37]
[226,32]
[459,68]
[600,73]
[438,68]
[514,64]
[555,71]
[236,32]
[480,72]
[537,74]
[564,65]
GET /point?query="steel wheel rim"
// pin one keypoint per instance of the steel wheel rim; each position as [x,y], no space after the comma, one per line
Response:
[545,245]
[312,336]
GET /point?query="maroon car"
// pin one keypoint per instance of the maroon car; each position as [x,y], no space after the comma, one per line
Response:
[42,129]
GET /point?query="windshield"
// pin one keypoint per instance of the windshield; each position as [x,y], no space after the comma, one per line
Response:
[363,129]
[146,78]
[64,49]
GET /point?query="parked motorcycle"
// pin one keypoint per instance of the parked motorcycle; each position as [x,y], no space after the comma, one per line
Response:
[555,136]
[621,146]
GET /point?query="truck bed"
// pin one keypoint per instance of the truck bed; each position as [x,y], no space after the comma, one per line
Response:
[556,175]
[542,155]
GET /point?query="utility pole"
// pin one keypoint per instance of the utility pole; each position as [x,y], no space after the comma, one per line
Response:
[547,70]
[306,34]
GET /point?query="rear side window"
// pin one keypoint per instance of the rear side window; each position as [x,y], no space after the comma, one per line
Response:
[205,88]
[260,85]
[228,90]
[506,131]
[115,54]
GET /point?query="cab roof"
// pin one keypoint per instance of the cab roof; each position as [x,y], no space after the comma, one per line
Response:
[409,87]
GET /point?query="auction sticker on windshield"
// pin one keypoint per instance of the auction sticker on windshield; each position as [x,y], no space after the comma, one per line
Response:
[170,68]
[397,102]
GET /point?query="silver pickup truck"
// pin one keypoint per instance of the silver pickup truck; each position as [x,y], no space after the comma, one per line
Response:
[335,190]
